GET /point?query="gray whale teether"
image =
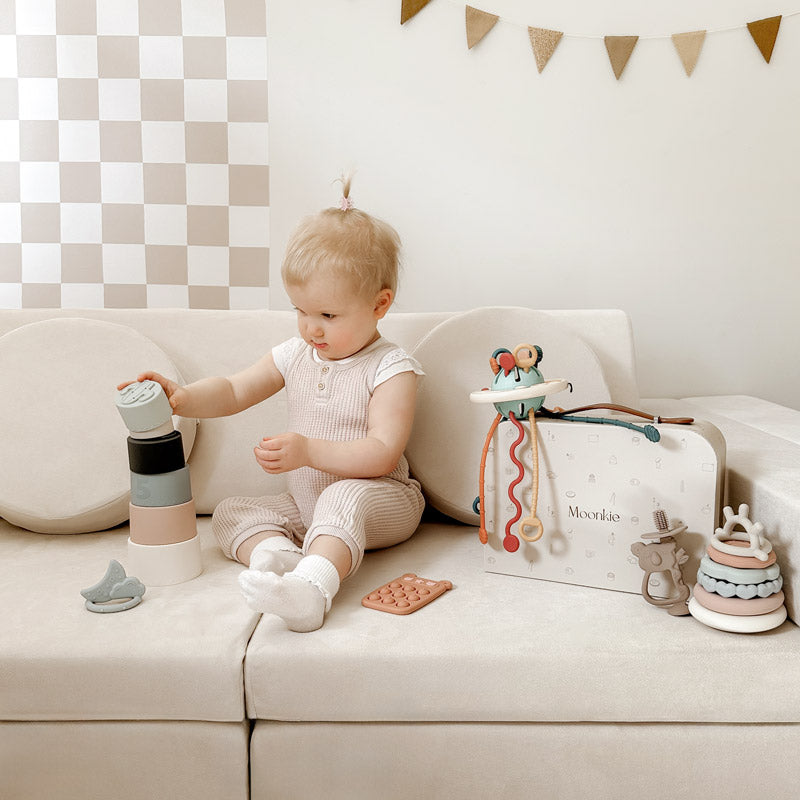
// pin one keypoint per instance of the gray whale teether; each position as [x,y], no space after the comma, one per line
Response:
[115,585]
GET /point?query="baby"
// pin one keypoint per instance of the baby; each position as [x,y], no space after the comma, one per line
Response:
[351,398]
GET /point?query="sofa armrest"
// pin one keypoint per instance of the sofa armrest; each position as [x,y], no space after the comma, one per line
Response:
[763,469]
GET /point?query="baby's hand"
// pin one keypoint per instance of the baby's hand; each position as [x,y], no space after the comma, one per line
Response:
[176,394]
[283,453]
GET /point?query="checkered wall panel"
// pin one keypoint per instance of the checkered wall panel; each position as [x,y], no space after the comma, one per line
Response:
[134,166]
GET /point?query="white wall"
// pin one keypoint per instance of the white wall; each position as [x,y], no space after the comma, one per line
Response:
[673,198]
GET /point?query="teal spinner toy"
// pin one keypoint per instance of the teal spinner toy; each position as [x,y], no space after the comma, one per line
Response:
[518,386]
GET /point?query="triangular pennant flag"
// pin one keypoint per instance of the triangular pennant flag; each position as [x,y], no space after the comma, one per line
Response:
[619,51]
[544,43]
[411,8]
[688,46]
[764,33]
[479,23]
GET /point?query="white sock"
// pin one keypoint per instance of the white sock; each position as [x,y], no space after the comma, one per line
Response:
[275,554]
[300,597]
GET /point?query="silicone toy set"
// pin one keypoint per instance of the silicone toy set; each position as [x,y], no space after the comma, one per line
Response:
[739,586]
[739,583]
[163,547]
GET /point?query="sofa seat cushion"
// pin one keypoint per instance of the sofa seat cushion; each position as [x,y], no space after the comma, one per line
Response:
[502,648]
[63,457]
[176,656]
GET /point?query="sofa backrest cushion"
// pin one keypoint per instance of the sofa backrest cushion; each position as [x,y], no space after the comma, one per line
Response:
[63,451]
[203,342]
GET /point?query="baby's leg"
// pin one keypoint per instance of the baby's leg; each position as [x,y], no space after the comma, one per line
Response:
[260,532]
[365,515]
[349,516]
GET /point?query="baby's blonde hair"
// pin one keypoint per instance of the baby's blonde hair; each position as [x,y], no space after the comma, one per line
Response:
[344,242]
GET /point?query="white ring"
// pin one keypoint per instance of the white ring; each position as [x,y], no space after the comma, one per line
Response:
[523,393]
[734,624]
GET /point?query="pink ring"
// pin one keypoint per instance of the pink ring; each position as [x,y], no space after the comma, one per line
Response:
[742,562]
[735,606]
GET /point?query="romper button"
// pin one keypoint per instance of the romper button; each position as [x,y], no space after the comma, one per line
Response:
[320,386]
[325,369]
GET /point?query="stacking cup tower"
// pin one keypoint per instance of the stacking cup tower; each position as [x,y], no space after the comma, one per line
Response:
[163,547]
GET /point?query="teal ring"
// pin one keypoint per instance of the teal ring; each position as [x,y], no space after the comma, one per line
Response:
[737,575]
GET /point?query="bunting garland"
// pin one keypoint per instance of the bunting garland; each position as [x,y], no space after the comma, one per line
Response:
[544,41]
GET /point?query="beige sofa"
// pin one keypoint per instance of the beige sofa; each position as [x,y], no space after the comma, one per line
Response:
[504,687]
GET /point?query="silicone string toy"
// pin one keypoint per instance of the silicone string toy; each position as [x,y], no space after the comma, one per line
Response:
[533,521]
[511,542]
[482,532]
[649,431]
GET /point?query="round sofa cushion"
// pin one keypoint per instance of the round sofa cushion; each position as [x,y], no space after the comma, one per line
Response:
[444,450]
[63,450]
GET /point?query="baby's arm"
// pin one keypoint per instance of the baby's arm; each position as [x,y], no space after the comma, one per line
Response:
[220,397]
[391,415]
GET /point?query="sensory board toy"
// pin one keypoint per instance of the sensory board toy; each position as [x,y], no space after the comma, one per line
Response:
[406,594]
[163,547]
[563,497]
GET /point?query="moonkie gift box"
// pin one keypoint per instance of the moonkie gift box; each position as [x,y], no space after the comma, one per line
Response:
[598,486]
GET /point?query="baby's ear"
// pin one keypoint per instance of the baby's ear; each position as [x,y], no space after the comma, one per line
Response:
[383,301]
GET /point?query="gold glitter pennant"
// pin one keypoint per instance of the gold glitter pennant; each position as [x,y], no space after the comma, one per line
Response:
[544,43]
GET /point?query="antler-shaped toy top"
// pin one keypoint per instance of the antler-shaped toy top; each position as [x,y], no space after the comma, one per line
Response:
[759,546]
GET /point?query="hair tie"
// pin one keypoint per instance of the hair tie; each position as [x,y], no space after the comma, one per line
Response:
[345,204]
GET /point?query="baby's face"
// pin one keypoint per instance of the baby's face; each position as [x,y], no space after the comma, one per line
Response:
[333,319]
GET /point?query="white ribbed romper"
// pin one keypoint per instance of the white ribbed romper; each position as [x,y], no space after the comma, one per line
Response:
[330,400]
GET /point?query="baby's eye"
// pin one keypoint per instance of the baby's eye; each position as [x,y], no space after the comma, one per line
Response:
[329,316]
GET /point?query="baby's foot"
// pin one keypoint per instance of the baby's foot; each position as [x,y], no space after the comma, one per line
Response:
[300,597]
[275,554]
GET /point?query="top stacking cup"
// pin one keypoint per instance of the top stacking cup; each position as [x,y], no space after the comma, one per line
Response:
[145,409]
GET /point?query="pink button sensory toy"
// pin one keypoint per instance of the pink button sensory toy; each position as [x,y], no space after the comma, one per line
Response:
[405,594]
